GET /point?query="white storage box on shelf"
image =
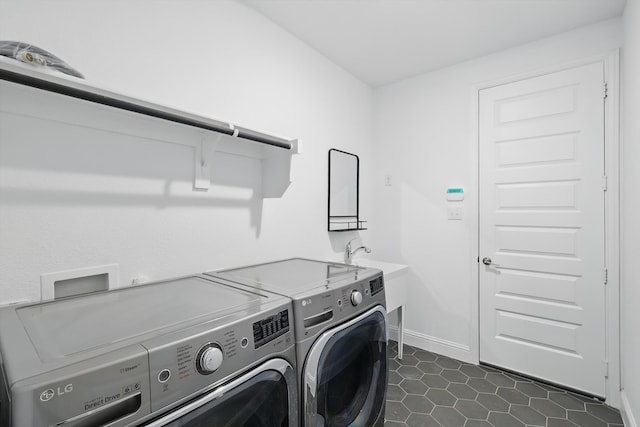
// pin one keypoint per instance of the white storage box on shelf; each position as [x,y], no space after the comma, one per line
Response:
[48,95]
[395,284]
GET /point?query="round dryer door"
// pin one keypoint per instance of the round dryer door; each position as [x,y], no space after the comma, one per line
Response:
[350,366]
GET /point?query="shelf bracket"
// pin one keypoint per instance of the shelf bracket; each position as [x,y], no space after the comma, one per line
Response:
[276,170]
[204,152]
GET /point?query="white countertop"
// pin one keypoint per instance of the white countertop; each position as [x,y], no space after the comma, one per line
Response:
[396,289]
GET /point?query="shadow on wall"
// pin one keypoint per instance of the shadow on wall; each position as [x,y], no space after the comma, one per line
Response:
[111,159]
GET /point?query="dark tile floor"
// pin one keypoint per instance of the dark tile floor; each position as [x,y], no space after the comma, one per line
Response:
[426,389]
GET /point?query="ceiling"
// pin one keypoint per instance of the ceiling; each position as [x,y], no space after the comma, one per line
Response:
[383,41]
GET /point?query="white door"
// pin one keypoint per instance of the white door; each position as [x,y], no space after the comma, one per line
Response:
[541,195]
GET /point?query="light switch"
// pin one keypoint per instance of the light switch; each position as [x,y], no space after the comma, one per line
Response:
[454,212]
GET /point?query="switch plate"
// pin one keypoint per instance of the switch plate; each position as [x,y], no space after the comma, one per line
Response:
[454,212]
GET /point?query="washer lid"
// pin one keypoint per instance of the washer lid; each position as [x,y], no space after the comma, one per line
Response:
[292,277]
[66,327]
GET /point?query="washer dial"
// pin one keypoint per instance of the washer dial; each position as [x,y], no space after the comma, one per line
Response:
[356,298]
[209,359]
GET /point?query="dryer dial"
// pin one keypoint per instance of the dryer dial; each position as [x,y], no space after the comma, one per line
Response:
[209,359]
[356,298]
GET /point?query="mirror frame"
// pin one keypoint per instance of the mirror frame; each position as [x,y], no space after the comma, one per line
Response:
[356,223]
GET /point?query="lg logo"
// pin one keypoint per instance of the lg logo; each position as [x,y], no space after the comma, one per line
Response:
[47,395]
[50,393]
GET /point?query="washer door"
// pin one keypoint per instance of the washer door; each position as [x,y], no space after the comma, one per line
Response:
[346,372]
[264,397]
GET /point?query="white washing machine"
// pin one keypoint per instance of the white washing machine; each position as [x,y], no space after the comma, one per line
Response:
[341,332]
[185,352]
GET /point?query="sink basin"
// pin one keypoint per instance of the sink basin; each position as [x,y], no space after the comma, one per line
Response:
[395,290]
[395,280]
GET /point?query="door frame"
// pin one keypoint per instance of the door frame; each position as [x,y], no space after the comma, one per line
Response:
[611,62]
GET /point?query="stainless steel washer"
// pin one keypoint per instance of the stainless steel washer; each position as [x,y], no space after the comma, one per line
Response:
[188,351]
[341,336]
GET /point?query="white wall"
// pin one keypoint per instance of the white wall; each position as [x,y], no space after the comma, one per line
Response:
[423,138]
[79,200]
[630,229]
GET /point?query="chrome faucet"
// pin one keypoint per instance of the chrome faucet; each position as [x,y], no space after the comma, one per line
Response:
[349,253]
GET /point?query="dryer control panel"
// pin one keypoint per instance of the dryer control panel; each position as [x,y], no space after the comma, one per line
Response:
[314,313]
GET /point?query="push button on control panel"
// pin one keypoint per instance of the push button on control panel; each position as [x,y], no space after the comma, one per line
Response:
[164,376]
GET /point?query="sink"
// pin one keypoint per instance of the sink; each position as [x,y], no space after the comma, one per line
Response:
[395,280]
[395,289]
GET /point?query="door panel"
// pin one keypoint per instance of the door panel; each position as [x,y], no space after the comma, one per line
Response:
[541,222]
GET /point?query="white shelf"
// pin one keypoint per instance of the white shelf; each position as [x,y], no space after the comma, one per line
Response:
[51,95]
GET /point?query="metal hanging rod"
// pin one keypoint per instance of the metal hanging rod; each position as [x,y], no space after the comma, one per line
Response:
[143,107]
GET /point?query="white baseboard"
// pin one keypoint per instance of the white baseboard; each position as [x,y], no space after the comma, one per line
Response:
[625,410]
[433,344]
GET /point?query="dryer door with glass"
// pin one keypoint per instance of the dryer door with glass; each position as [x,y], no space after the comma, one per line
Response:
[346,372]
[263,397]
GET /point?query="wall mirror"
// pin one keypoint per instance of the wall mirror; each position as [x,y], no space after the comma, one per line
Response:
[344,204]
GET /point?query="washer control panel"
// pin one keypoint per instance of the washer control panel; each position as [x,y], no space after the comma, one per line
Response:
[185,362]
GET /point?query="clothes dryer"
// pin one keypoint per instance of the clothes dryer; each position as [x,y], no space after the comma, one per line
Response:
[341,332]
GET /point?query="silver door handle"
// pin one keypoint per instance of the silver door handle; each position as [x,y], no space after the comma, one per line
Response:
[487,261]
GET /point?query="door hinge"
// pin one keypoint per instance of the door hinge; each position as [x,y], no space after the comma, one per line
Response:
[605,90]
[605,183]
[605,276]
[606,368]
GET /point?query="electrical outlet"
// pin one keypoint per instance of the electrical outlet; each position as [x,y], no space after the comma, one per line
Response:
[139,280]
